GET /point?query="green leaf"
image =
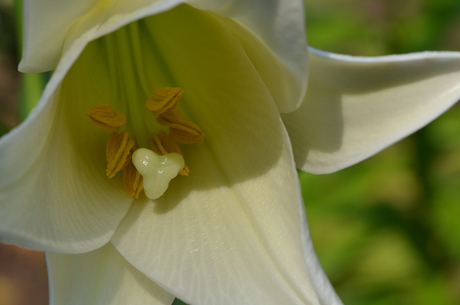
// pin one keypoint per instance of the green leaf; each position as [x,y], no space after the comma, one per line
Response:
[31,88]
[178,302]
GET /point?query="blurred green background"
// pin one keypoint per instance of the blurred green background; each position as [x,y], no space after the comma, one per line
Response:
[387,231]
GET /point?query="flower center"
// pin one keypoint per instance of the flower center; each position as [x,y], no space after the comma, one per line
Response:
[148,169]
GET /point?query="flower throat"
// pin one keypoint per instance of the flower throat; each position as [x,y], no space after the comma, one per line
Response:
[148,169]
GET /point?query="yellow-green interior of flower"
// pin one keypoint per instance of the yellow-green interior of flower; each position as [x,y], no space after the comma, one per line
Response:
[144,168]
[223,93]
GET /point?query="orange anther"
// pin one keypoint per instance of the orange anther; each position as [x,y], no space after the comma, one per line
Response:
[118,149]
[132,180]
[106,117]
[182,130]
[164,99]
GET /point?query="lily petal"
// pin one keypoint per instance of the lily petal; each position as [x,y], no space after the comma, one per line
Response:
[217,237]
[272,32]
[230,232]
[321,283]
[102,276]
[54,195]
[52,26]
[357,106]
[275,43]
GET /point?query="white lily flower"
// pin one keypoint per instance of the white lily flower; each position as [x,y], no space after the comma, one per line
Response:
[234,231]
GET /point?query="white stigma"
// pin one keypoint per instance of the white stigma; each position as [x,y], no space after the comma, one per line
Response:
[157,170]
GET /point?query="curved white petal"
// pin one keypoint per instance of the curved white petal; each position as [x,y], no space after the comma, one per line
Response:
[280,25]
[54,194]
[221,237]
[323,287]
[231,232]
[102,277]
[272,33]
[54,26]
[357,106]
[46,22]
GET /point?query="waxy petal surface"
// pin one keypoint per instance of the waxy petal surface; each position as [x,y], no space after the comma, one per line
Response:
[231,232]
[54,26]
[54,195]
[357,106]
[101,276]
[275,42]
[272,32]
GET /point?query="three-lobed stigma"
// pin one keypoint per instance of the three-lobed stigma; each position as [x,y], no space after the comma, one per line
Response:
[156,170]
[145,169]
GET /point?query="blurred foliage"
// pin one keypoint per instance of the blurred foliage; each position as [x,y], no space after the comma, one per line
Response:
[19,93]
[8,75]
[379,27]
[387,231]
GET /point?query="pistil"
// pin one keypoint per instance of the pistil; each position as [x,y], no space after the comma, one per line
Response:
[157,171]
[161,144]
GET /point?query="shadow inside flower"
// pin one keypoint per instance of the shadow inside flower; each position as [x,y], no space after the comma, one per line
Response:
[223,94]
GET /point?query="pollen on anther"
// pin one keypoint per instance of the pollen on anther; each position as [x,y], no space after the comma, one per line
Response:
[132,180]
[182,130]
[164,99]
[106,117]
[117,151]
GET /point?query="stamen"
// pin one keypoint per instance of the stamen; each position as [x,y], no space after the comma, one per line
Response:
[132,180]
[106,117]
[164,99]
[118,148]
[182,130]
[161,144]
[156,170]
